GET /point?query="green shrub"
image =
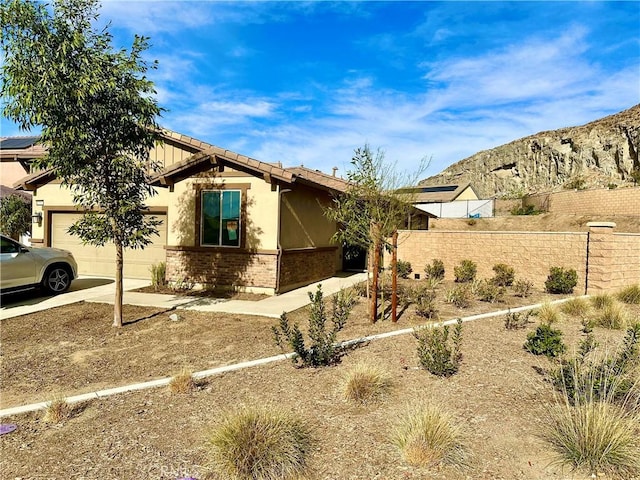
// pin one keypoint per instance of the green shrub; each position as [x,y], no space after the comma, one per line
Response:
[466,271]
[517,320]
[577,183]
[260,444]
[504,275]
[437,353]
[576,307]
[403,268]
[427,435]
[323,349]
[522,288]
[525,210]
[561,280]
[488,291]
[460,296]
[435,270]
[158,275]
[545,341]
[630,294]
[425,303]
[366,383]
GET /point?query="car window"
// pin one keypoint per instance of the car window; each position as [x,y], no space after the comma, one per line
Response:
[7,246]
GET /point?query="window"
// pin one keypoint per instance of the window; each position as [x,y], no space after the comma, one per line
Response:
[220,221]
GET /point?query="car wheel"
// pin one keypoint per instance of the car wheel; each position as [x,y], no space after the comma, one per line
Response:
[56,280]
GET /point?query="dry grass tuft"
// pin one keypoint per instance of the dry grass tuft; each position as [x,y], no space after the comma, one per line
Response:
[260,444]
[630,294]
[575,307]
[602,301]
[548,314]
[428,436]
[366,383]
[183,382]
[57,410]
[612,316]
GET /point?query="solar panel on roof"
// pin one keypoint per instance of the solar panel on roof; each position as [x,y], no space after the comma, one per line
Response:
[18,143]
[439,189]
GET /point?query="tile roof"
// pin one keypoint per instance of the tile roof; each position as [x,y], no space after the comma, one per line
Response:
[318,178]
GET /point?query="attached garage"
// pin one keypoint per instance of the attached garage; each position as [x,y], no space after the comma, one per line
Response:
[100,261]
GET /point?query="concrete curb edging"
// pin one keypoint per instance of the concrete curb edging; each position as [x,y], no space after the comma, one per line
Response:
[162,382]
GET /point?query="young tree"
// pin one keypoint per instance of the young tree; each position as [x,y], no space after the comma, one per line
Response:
[96,111]
[15,216]
[372,209]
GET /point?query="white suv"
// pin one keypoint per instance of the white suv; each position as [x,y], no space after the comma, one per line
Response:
[23,267]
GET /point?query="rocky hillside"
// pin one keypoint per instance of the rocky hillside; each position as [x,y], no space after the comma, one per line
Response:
[599,153]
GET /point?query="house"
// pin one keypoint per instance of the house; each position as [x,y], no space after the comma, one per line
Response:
[228,221]
[450,201]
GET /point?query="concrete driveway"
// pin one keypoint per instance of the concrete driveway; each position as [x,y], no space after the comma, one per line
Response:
[83,288]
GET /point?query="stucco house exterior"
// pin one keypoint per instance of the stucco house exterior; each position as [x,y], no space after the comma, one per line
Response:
[228,221]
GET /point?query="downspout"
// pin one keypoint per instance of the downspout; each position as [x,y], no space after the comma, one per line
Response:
[279,247]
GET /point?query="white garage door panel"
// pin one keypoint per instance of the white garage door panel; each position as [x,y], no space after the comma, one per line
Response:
[101,260]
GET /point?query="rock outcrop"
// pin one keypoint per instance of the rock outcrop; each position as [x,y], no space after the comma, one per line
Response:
[600,153]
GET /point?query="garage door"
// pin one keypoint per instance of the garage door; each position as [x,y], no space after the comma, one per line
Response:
[101,260]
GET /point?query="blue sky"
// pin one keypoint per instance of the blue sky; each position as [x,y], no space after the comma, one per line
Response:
[308,82]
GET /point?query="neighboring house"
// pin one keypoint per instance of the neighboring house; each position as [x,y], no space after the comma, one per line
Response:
[450,201]
[228,221]
[16,155]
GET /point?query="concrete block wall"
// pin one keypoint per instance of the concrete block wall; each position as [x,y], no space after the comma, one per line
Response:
[304,266]
[620,201]
[625,260]
[531,254]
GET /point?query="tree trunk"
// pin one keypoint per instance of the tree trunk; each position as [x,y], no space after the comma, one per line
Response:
[373,311]
[117,305]
[394,277]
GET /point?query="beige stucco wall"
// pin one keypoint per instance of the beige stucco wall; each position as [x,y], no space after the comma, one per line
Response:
[11,172]
[304,223]
[261,208]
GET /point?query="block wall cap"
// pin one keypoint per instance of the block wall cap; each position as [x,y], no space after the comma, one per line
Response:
[601,224]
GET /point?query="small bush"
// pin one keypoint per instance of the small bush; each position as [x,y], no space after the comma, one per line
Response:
[504,275]
[465,272]
[577,183]
[57,410]
[435,270]
[404,268]
[602,301]
[517,320]
[425,303]
[547,314]
[323,349]
[428,435]
[460,296]
[522,288]
[432,283]
[597,436]
[437,354]
[366,383]
[613,316]
[360,289]
[525,210]
[561,281]
[576,307]
[630,294]
[182,383]
[260,444]
[488,291]
[158,275]
[545,341]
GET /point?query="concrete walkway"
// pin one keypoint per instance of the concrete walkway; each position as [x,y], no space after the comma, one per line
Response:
[268,307]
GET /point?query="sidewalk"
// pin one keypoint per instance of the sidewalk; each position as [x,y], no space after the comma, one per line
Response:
[269,307]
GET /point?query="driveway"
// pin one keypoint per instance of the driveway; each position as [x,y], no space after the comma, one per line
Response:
[83,288]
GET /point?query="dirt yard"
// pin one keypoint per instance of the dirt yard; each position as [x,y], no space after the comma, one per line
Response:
[499,394]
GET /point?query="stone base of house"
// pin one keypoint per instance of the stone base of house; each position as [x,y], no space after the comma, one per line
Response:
[223,269]
[302,266]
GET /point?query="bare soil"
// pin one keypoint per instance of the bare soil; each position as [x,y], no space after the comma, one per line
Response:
[499,394]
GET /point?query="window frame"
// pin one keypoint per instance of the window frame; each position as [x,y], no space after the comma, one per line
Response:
[221,194]
[202,187]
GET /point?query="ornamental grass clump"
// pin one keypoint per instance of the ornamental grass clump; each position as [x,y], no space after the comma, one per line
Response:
[612,316]
[260,444]
[57,410]
[182,383]
[602,301]
[547,313]
[428,435]
[575,307]
[366,383]
[630,294]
